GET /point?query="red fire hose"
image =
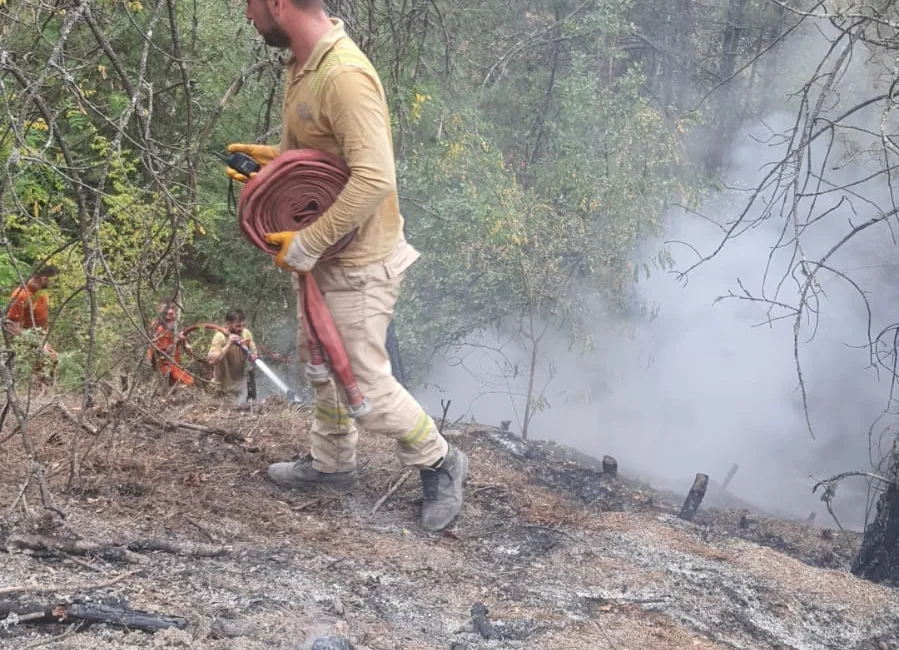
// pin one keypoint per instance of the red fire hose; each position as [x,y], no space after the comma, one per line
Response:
[290,193]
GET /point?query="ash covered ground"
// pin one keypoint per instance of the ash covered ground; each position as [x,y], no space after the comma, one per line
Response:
[558,554]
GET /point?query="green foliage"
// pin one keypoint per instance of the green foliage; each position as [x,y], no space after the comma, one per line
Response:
[533,160]
[536,191]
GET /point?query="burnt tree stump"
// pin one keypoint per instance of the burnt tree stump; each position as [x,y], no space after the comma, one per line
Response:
[730,476]
[610,466]
[481,623]
[695,497]
[878,557]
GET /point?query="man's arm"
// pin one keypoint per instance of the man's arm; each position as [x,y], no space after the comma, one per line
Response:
[217,348]
[352,103]
[16,313]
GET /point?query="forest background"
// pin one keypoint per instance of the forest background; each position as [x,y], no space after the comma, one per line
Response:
[540,147]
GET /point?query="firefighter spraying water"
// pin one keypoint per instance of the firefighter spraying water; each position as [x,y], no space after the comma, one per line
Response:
[246,348]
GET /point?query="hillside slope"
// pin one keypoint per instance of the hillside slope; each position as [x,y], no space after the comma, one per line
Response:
[560,555]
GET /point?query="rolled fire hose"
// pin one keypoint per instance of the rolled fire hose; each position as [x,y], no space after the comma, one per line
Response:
[289,194]
[253,358]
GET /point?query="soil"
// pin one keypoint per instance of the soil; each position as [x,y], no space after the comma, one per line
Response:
[558,554]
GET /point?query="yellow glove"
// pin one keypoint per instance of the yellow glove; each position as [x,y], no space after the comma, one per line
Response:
[262,154]
[293,256]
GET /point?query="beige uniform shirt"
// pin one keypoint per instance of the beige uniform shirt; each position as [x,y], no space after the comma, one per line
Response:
[232,369]
[335,102]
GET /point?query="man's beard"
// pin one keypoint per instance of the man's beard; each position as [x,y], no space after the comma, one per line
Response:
[274,36]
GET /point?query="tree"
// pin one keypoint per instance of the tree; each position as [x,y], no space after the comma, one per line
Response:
[831,190]
[537,147]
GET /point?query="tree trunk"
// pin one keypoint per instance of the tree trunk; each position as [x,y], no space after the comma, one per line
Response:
[532,371]
[730,476]
[729,100]
[878,557]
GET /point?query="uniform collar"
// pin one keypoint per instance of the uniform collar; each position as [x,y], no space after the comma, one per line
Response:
[325,43]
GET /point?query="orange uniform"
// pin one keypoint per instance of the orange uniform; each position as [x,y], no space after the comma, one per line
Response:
[27,311]
[164,344]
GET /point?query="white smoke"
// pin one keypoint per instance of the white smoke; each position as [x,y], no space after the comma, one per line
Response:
[706,384]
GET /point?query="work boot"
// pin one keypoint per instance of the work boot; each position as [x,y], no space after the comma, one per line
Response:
[300,474]
[442,487]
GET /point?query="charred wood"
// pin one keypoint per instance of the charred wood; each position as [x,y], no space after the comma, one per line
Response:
[127,551]
[90,614]
[610,466]
[481,623]
[695,497]
[730,476]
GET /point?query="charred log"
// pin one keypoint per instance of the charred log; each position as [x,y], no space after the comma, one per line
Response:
[90,614]
[730,476]
[695,497]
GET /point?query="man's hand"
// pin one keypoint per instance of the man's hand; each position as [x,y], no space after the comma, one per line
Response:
[262,154]
[293,256]
[234,339]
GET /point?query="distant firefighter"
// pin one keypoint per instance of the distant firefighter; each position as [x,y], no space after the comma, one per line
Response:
[232,370]
[29,304]
[166,348]
[29,309]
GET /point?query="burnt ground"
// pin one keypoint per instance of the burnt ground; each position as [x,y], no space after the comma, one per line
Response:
[560,555]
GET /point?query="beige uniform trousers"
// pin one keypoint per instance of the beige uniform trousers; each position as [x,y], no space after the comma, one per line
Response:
[361,301]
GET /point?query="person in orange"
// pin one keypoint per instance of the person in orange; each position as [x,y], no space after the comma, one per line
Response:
[29,309]
[29,304]
[165,352]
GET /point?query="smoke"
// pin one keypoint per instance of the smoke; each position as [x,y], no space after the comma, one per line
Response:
[703,384]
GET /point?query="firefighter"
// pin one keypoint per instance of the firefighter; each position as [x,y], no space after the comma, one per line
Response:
[29,304]
[334,101]
[29,309]
[167,345]
[232,371]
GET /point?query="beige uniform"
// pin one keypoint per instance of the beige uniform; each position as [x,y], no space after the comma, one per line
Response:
[335,102]
[230,373]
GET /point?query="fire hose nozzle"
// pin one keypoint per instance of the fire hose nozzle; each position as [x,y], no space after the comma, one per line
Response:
[318,374]
[359,410]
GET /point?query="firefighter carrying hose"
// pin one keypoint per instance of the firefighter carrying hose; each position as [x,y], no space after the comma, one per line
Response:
[334,102]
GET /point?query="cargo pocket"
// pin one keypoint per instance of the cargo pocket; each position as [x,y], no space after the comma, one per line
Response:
[355,278]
